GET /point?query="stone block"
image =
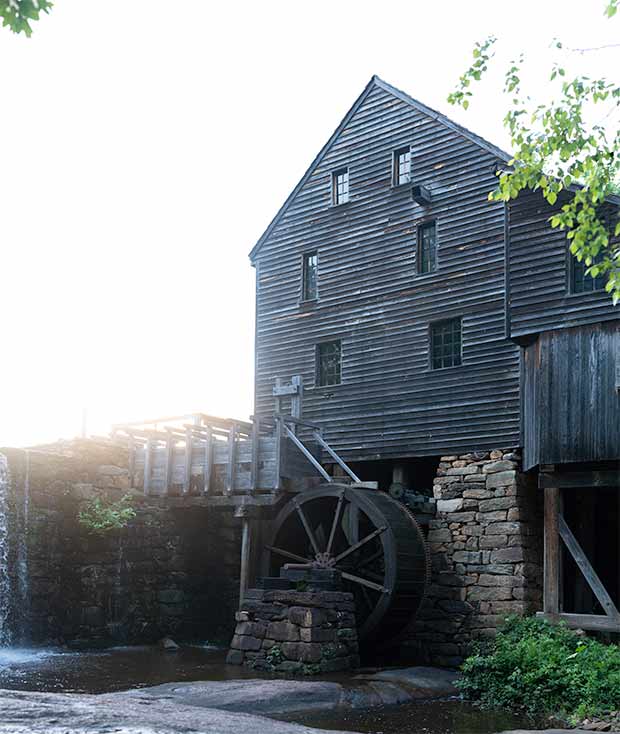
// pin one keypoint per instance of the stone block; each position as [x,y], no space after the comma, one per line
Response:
[501,479]
[498,466]
[467,557]
[283,632]
[477,493]
[307,617]
[507,555]
[317,634]
[448,458]
[449,505]
[487,579]
[242,616]
[235,657]
[496,454]
[255,629]
[489,593]
[460,471]
[243,642]
[498,503]
[506,569]
[461,517]
[440,536]
[472,530]
[503,528]
[487,517]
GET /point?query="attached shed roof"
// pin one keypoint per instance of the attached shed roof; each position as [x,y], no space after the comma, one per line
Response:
[377,82]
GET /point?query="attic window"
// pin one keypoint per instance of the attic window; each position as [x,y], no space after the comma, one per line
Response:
[340,186]
[401,166]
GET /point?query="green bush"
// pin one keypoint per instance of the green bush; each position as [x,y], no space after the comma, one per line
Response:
[544,668]
[101,517]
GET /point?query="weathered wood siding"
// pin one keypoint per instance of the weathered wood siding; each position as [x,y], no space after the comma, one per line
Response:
[538,283]
[390,403]
[571,404]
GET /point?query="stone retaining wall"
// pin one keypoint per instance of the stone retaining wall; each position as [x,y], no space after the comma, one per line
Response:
[169,572]
[307,632]
[486,553]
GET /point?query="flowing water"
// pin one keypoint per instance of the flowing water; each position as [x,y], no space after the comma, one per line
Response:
[5,579]
[23,576]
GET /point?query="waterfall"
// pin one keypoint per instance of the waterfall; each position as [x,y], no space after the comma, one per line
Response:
[23,577]
[5,580]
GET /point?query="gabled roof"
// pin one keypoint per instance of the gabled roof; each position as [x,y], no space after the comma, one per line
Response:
[376,82]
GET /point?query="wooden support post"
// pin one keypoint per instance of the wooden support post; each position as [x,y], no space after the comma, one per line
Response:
[278,457]
[132,458]
[230,466]
[188,461]
[551,592]
[277,384]
[169,463]
[208,466]
[246,549]
[255,454]
[297,398]
[147,467]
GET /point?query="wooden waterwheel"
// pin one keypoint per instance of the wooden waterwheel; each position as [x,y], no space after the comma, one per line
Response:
[373,540]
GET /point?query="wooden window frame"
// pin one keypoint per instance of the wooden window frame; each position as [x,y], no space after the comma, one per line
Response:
[431,342]
[305,256]
[334,178]
[396,182]
[574,263]
[318,371]
[418,257]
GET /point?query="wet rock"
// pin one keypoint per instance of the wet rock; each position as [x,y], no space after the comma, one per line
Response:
[167,644]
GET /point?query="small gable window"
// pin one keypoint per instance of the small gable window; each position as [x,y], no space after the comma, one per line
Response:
[427,247]
[401,166]
[446,344]
[309,276]
[340,186]
[328,363]
[580,281]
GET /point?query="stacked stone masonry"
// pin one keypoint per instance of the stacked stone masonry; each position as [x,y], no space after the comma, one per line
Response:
[486,553]
[302,632]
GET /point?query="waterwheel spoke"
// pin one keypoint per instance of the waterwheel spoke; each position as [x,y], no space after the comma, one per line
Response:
[332,533]
[370,559]
[307,528]
[360,543]
[363,582]
[288,554]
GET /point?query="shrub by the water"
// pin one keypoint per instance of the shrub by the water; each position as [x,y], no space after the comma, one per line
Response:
[544,668]
[101,517]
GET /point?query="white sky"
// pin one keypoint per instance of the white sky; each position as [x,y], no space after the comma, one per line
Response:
[146,144]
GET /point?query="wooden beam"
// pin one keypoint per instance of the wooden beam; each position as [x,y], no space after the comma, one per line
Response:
[307,454]
[594,622]
[188,461]
[255,455]
[579,479]
[551,584]
[297,399]
[169,463]
[208,465]
[132,458]
[586,569]
[147,468]
[246,546]
[322,442]
[230,465]
[278,457]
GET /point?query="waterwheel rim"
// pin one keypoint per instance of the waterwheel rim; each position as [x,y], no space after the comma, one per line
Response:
[311,530]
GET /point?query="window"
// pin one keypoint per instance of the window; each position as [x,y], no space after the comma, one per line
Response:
[328,363]
[580,281]
[309,275]
[402,166]
[446,344]
[340,186]
[427,247]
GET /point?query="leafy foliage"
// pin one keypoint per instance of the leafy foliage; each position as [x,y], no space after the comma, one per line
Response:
[101,517]
[571,143]
[544,668]
[17,14]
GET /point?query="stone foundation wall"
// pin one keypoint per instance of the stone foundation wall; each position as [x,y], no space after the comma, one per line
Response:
[486,553]
[169,572]
[305,632]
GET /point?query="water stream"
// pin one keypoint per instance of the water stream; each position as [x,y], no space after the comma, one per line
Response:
[23,576]
[5,579]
